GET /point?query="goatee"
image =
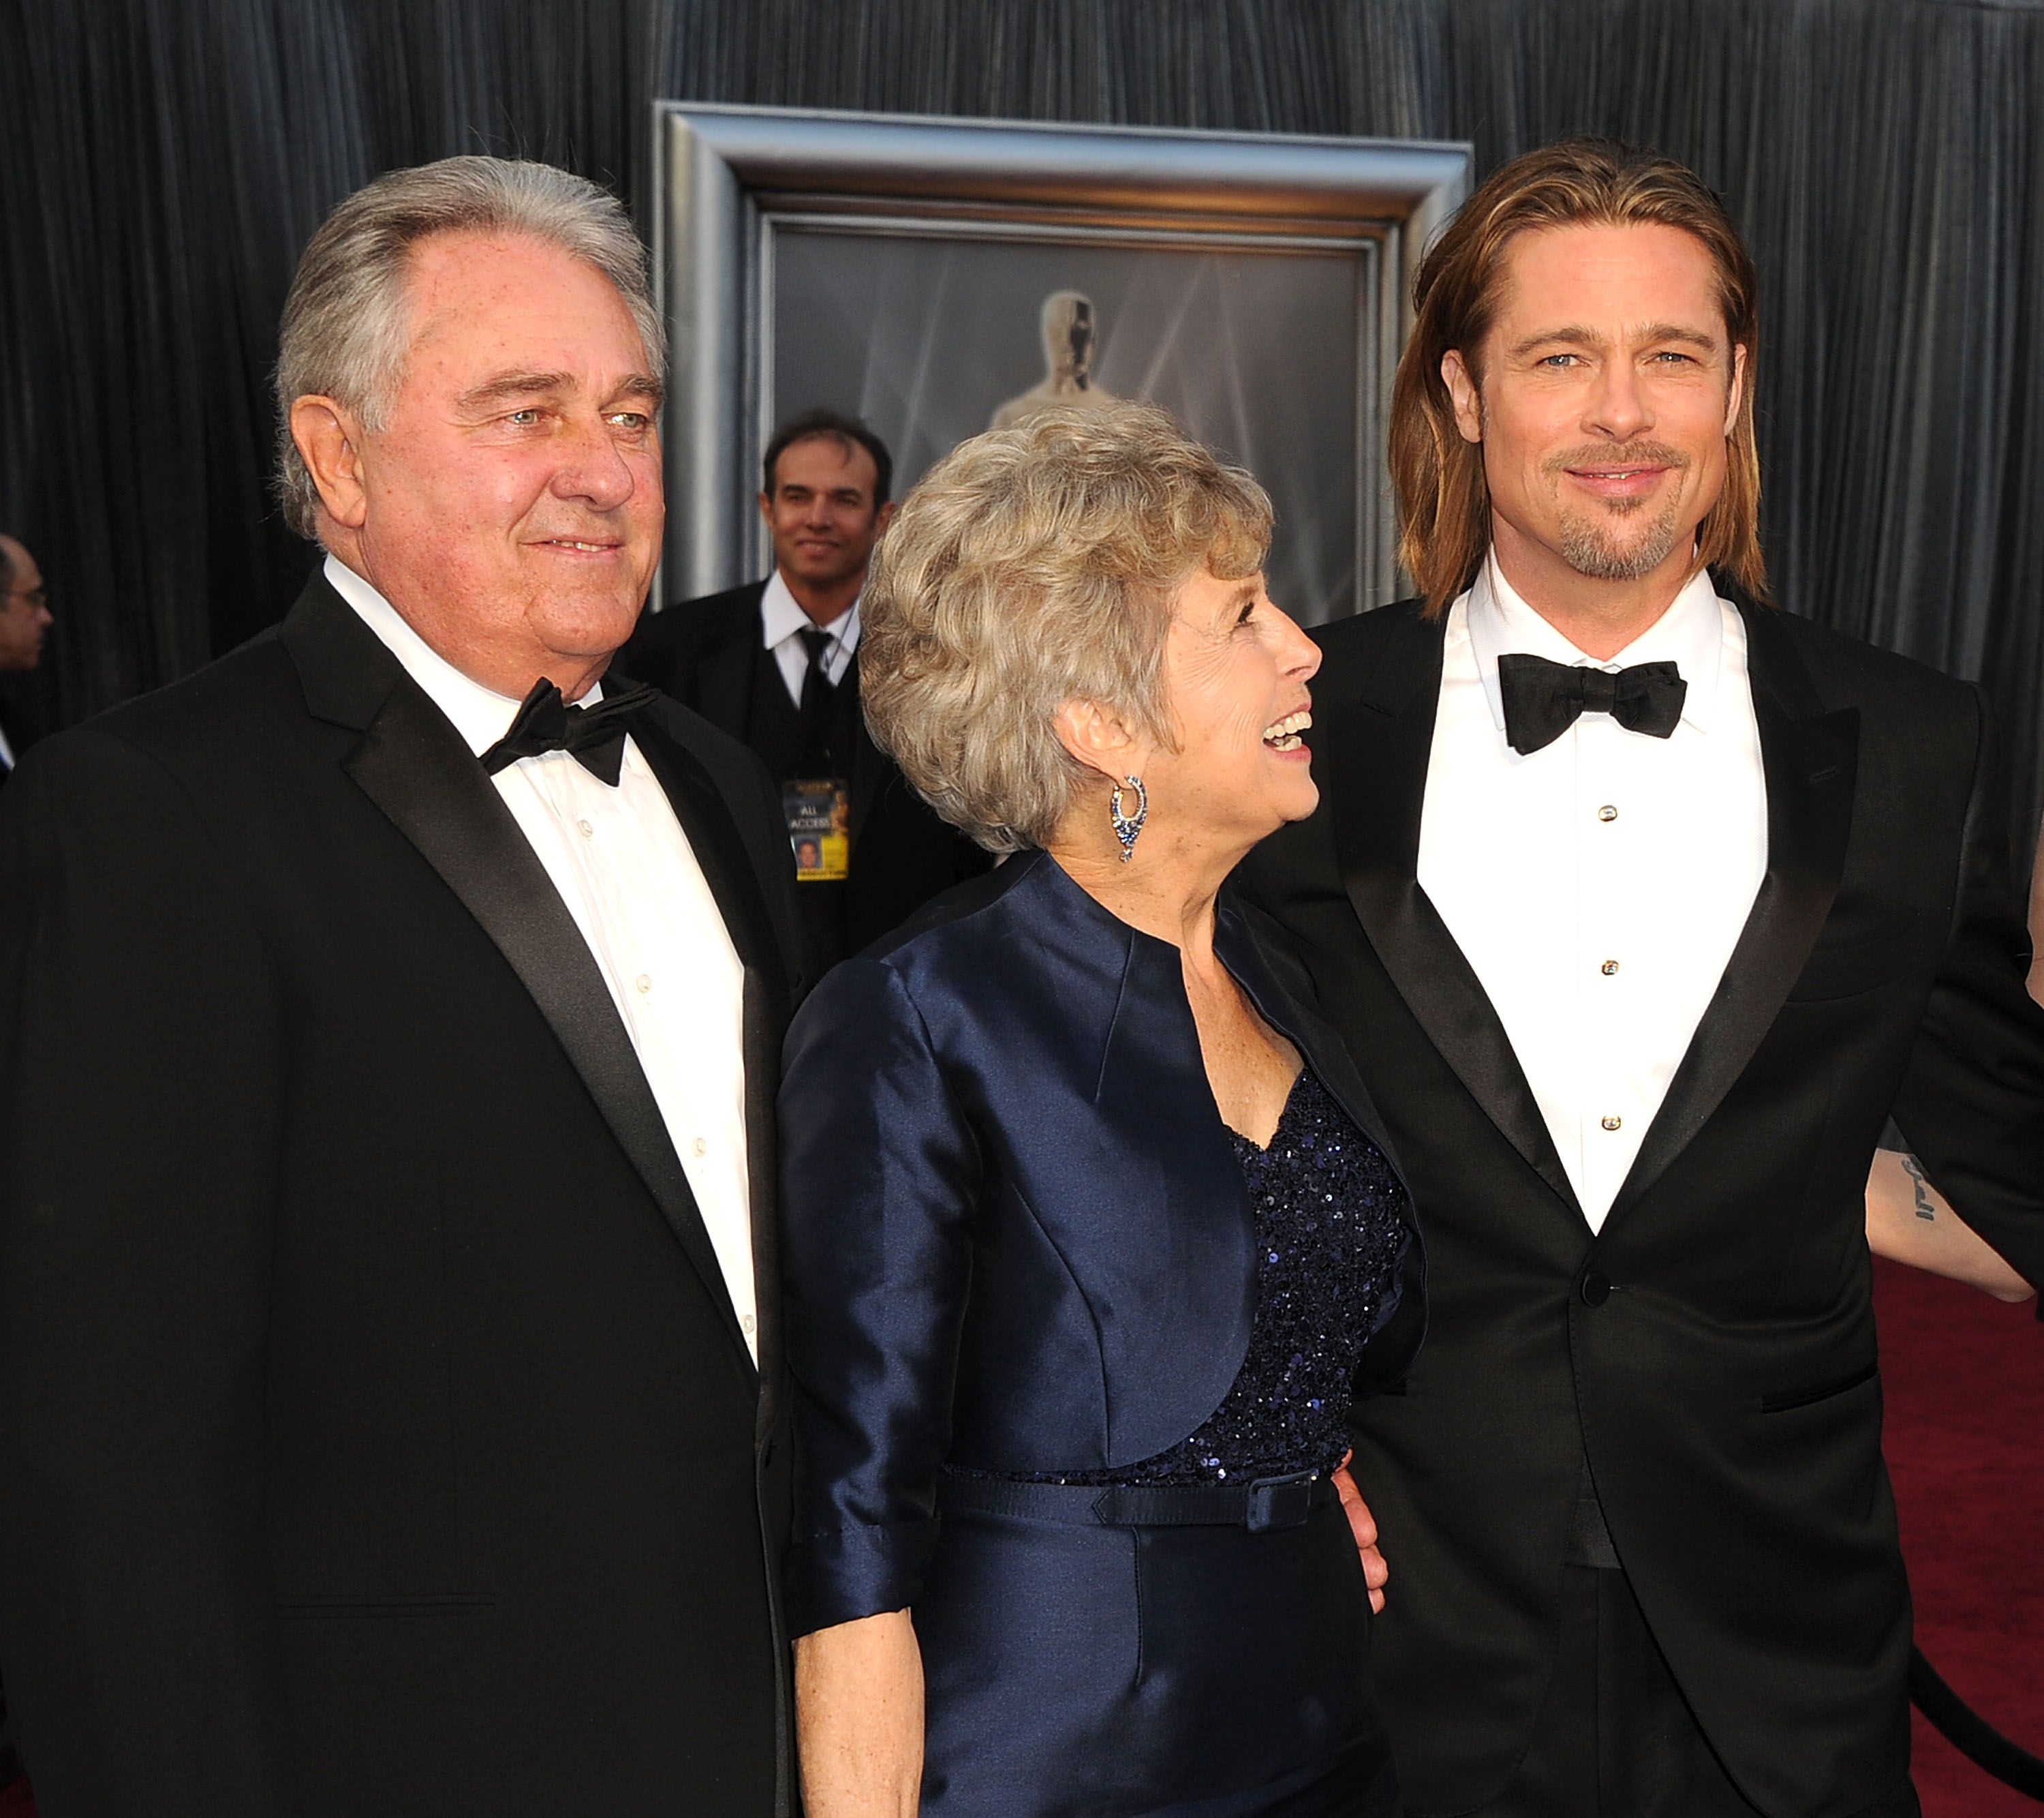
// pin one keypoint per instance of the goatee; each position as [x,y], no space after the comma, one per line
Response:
[1591,546]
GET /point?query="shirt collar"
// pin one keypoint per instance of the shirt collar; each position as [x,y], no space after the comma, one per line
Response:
[1690,634]
[781,617]
[480,715]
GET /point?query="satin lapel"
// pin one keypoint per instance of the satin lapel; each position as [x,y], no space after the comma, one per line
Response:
[413,767]
[720,849]
[1811,760]
[765,1022]
[1378,747]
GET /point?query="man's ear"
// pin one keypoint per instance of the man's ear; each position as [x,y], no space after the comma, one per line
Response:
[1738,386]
[1463,393]
[767,509]
[884,516]
[1100,738]
[328,439]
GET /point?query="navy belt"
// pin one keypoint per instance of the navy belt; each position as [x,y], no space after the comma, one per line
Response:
[1269,1502]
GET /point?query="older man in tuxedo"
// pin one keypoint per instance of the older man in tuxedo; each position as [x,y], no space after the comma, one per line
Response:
[390,1414]
[1641,905]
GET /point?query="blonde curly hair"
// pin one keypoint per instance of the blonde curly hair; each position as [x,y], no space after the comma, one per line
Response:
[1033,565]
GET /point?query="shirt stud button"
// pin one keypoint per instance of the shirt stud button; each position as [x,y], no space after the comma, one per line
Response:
[588,831]
[700,1146]
[1609,969]
[1611,1123]
[751,1325]
[1606,812]
[644,983]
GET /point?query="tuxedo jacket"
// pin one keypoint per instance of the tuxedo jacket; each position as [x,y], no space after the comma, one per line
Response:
[376,1435]
[707,653]
[1710,1350]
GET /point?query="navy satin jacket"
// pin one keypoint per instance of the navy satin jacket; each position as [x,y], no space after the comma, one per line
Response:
[1016,1238]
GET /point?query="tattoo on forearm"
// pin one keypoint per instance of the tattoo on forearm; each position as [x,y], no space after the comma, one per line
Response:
[1927,1208]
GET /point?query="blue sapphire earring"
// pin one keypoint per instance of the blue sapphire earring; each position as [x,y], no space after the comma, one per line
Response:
[1126,825]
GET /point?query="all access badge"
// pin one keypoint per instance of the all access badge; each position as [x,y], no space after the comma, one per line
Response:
[819,815]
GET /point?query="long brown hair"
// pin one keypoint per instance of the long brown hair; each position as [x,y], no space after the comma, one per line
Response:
[1443,504]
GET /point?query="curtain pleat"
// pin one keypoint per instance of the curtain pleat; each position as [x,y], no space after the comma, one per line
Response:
[163,161]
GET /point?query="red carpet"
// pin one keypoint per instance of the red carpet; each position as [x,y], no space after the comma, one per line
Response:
[1964,1377]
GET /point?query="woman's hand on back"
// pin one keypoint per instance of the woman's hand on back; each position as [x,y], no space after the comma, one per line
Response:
[1362,1524]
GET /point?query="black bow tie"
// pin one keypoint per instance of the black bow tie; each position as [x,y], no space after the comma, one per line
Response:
[544,722]
[1543,700]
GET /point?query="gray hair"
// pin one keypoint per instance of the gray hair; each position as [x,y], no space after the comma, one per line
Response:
[1033,565]
[346,329]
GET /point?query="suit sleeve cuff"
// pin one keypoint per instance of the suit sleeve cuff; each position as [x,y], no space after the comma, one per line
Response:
[857,1572]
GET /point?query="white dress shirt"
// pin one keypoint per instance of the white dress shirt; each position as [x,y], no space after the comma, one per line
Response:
[1598,886]
[783,621]
[625,870]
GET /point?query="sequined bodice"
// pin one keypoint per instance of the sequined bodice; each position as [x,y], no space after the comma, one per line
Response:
[1328,1226]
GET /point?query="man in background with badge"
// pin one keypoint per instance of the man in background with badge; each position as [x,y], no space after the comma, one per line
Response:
[772,662]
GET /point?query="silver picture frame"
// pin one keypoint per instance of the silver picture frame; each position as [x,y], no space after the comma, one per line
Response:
[773,229]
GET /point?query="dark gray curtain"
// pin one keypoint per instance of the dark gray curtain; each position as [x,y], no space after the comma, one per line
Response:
[162,161]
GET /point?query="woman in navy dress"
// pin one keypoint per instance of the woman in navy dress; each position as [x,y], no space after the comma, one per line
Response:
[1090,1233]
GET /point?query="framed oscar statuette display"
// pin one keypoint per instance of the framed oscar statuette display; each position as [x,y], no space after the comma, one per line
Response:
[940,277]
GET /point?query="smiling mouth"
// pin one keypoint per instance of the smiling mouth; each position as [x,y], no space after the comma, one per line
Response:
[1619,469]
[580,547]
[1283,735]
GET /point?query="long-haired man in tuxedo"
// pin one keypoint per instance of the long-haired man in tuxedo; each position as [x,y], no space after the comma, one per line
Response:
[390,1378]
[1643,904]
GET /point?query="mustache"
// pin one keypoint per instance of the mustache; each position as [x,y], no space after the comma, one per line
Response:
[1601,455]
